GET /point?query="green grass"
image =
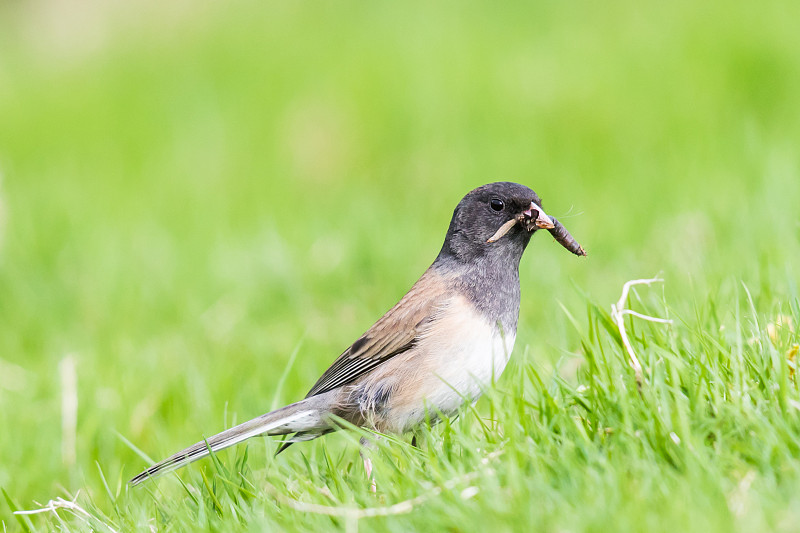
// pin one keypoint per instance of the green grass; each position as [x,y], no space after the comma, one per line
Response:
[192,193]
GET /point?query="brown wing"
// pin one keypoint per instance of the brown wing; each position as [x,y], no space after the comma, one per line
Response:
[396,332]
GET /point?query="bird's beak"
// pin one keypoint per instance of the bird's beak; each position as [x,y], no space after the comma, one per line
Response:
[533,217]
[541,221]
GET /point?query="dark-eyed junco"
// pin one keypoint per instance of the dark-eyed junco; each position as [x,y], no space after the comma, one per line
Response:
[438,348]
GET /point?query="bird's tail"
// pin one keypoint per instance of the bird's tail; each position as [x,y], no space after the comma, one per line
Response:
[309,415]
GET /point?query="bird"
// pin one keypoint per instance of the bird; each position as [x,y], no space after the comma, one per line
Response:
[438,348]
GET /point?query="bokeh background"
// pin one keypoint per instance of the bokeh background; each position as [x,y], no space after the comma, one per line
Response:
[192,192]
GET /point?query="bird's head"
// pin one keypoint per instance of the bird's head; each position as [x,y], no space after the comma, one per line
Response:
[496,221]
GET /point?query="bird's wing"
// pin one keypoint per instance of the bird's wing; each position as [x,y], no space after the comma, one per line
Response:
[396,332]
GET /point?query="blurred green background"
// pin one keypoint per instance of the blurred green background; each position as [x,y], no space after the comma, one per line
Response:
[192,191]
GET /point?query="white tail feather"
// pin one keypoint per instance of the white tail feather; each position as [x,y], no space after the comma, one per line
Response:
[303,416]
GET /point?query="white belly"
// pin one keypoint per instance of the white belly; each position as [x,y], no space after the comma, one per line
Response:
[457,359]
[474,364]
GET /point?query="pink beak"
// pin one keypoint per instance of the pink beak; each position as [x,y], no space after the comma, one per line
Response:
[542,220]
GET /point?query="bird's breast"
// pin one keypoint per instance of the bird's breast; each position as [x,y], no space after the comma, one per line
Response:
[460,354]
[463,348]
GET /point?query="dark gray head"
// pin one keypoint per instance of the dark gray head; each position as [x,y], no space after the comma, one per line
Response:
[494,222]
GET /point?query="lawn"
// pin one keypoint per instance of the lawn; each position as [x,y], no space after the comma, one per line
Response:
[202,205]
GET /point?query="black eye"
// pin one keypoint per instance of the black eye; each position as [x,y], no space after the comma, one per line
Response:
[496,204]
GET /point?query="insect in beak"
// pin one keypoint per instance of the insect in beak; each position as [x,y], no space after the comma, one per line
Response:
[537,215]
[533,217]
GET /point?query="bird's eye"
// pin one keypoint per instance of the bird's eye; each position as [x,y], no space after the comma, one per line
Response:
[496,204]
